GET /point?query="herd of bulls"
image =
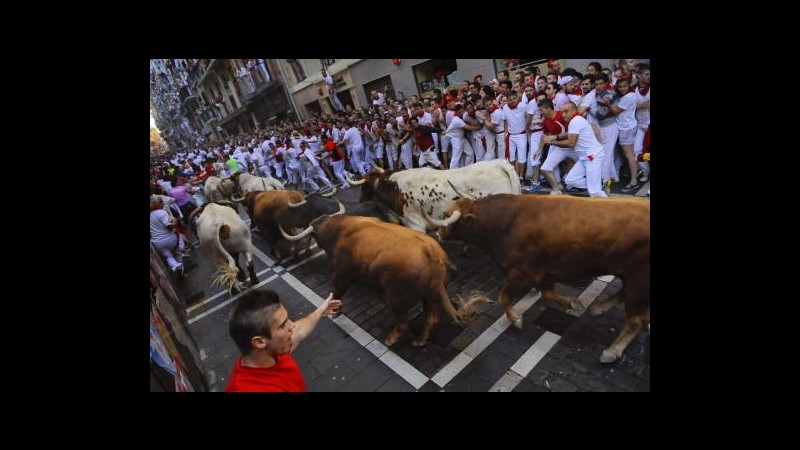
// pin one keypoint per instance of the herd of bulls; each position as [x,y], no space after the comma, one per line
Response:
[536,240]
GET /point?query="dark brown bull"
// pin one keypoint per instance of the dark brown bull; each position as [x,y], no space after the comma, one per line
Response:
[538,240]
[407,266]
[270,209]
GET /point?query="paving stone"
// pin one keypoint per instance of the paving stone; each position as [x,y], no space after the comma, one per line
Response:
[589,383]
[368,378]
[558,384]
[333,379]
[527,386]
[622,380]
[396,384]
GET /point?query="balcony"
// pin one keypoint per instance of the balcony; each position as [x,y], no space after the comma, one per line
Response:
[253,83]
[214,63]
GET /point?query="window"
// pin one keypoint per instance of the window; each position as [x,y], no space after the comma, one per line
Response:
[382,85]
[436,74]
[513,65]
[314,107]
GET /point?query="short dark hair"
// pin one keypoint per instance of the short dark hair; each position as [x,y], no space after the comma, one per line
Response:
[251,316]
[546,103]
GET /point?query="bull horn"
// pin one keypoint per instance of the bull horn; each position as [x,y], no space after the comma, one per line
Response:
[378,168]
[237,199]
[330,194]
[443,223]
[459,193]
[303,234]
[354,183]
[227,203]
[296,205]
[341,209]
[198,210]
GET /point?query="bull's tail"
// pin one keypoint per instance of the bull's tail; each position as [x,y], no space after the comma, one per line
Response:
[513,178]
[466,311]
[226,274]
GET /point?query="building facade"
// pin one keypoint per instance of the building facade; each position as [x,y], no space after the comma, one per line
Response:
[398,78]
[212,99]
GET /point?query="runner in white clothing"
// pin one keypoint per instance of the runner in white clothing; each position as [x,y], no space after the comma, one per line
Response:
[581,136]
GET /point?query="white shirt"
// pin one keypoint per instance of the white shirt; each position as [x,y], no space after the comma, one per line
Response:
[626,120]
[587,142]
[456,128]
[642,114]
[590,101]
[515,118]
[498,118]
[159,219]
[352,139]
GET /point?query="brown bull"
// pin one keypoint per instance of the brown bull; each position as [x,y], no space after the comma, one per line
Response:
[538,240]
[406,265]
[270,209]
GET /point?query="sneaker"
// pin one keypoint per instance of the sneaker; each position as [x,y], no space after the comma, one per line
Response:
[643,177]
[630,187]
[648,192]
[533,188]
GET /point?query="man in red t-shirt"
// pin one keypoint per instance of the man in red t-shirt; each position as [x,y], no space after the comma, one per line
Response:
[261,328]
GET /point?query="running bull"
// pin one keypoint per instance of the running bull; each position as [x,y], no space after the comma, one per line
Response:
[407,266]
[417,194]
[538,240]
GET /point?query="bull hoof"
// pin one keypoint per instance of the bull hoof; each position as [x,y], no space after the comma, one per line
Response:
[596,310]
[607,357]
[518,323]
[419,343]
[390,341]
[576,305]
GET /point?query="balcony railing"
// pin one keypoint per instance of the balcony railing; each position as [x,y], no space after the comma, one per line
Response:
[256,79]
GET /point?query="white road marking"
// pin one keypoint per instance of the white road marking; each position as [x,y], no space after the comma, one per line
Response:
[263,257]
[314,256]
[195,306]
[454,367]
[400,366]
[229,301]
[523,366]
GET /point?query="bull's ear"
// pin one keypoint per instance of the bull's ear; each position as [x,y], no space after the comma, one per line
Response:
[466,219]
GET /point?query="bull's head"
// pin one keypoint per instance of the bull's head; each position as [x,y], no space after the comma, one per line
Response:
[377,186]
[456,218]
[310,229]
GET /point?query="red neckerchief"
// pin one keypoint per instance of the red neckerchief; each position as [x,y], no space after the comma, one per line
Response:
[492,108]
[644,90]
